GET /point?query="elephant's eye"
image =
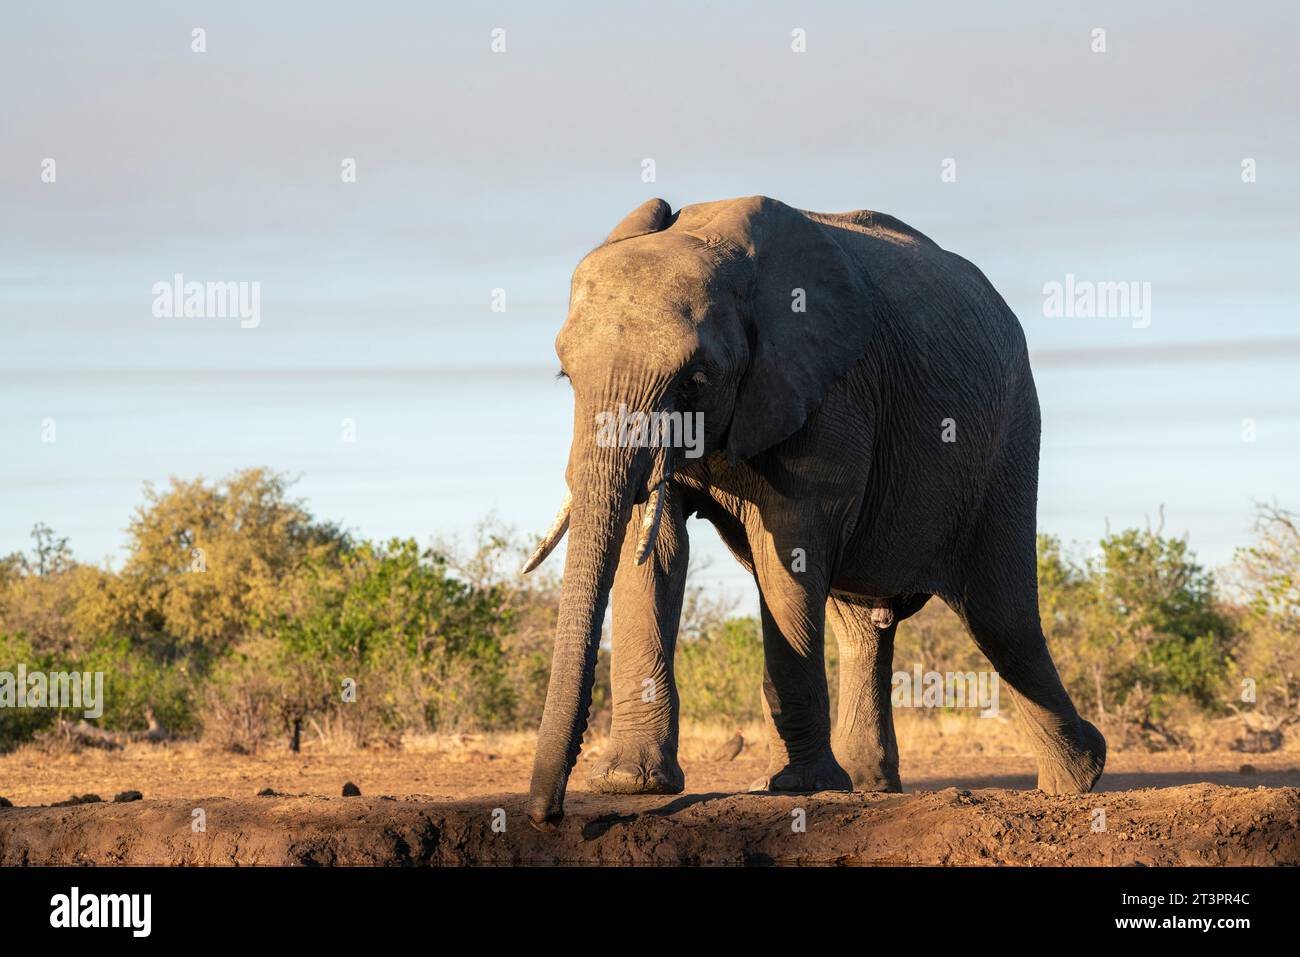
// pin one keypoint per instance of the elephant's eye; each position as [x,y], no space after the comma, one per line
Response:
[561,374]
[689,391]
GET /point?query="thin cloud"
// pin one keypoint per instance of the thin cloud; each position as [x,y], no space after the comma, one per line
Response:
[1179,353]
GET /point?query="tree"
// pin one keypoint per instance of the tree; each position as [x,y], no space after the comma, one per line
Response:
[206,560]
[51,556]
[1269,574]
[1136,628]
[43,595]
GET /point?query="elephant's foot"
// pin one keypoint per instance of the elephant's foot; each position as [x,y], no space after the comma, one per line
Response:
[870,774]
[822,773]
[1074,765]
[867,766]
[636,767]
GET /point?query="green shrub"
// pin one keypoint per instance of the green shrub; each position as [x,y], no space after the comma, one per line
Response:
[720,673]
[19,725]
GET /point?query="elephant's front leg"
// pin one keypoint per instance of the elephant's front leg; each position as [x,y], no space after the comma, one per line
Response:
[794,684]
[641,755]
[864,741]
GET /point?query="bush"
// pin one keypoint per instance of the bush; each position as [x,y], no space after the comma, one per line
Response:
[18,725]
[1265,673]
[133,682]
[239,614]
[1137,628]
[720,673]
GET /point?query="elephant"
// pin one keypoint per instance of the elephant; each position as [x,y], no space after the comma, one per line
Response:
[869,435]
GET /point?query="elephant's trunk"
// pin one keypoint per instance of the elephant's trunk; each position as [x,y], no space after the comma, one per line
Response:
[601,508]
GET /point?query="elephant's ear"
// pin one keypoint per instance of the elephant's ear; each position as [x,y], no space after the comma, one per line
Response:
[650,217]
[811,312]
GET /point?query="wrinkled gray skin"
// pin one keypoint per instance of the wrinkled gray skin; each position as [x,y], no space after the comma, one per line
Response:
[824,433]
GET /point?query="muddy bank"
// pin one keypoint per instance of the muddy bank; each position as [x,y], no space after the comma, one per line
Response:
[1200,824]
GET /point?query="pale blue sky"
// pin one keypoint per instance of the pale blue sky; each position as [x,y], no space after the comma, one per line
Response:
[479,170]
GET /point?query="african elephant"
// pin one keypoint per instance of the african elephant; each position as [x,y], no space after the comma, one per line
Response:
[870,434]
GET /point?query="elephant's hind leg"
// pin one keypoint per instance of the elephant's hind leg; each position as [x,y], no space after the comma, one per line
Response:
[1071,753]
[863,740]
[1000,607]
[641,754]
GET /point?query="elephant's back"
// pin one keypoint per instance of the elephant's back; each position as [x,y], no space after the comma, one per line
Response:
[928,293]
[878,226]
[946,338]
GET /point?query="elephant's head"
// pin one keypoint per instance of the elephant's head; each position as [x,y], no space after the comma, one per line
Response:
[743,311]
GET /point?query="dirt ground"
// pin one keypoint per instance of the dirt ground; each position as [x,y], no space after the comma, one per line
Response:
[463,802]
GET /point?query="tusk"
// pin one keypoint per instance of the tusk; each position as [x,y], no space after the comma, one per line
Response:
[552,537]
[654,510]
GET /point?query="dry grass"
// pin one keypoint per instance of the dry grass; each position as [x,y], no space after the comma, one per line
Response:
[921,733]
[944,733]
[504,743]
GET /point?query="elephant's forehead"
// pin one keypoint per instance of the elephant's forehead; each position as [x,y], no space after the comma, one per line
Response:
[643,273]
[649,303]
[659,337]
